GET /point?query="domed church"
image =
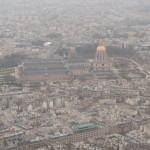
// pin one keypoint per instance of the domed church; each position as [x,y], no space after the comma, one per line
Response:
[101,66]
[101,61]
[37,70]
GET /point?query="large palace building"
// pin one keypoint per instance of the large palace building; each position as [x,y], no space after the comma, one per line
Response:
[38,70]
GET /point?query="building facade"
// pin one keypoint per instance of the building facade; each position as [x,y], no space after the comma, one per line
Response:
[101,61]
[40,70]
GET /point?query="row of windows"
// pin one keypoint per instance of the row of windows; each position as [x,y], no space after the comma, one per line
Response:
[77,137]
[100,58]
[99,65]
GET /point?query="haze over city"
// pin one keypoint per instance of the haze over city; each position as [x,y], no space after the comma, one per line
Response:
[74,75]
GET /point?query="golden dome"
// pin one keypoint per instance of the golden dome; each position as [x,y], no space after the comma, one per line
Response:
[101,46]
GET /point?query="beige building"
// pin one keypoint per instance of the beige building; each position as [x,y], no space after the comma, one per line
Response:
[37,70]
[101,61]
[79,133]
